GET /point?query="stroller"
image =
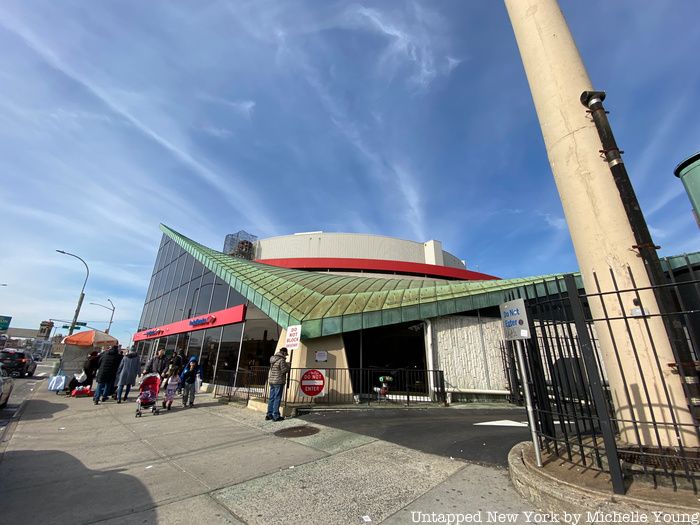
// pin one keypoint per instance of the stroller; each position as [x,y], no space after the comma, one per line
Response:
[148,394]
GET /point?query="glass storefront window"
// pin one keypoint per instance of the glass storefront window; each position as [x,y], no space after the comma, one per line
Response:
[170,276]
[259,339]
[192,294]
[177,280]
[228,354]
[234,299]
[164,255]
[207,359]
[204,294]
[180,304]
[218,300]
[194,344]
[187,270]
[198,269]
[150,315]
[170,345]
[162,307]
[170,309]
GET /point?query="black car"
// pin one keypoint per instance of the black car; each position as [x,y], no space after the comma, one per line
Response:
[18,363]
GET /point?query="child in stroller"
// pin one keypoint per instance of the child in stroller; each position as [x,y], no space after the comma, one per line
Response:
[148,394]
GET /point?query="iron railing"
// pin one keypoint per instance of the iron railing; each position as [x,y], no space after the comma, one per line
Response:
[404,386]
[627,412]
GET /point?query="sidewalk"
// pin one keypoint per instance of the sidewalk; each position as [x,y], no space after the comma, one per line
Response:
[71,462]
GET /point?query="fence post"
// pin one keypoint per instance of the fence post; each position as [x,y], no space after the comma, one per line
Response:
[596,385]
[405,385]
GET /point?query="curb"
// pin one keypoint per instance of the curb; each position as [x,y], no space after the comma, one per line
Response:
[9,430]
[554,495]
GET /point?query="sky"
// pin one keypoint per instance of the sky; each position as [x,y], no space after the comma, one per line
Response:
[410,119]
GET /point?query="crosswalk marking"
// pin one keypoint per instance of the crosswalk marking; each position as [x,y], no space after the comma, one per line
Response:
[502,423]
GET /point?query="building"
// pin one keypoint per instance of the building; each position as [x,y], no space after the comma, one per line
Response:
[238,244]
[366,301]
[362,301]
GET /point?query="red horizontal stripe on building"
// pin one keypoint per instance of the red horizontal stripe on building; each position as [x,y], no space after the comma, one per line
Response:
[235,314]
[378,265]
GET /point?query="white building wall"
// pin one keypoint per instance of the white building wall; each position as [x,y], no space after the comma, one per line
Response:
[356,246]
[469,353]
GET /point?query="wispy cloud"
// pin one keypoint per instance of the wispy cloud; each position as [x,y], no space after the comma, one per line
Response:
[243,107]
[241,198]
[411,39]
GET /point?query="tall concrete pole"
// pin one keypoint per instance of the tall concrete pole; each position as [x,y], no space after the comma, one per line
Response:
[600,231]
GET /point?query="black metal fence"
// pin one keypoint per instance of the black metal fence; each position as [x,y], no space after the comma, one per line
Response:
[342,386]
[608,392]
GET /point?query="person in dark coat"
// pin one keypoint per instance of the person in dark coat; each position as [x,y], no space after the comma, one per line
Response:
[113,390]
[90,367]
[106,373]
[128,369]
[157,364]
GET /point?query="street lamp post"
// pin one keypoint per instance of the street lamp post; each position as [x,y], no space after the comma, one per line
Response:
[108,308]
[82,291]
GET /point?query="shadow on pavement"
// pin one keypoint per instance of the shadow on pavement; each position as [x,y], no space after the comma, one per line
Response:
[50,486]
[39,409]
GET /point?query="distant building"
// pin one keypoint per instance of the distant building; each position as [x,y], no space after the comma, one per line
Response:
[240,244]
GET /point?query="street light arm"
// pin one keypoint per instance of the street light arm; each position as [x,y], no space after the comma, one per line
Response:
[111,317]
[82,291]
[82,261]
[103,306]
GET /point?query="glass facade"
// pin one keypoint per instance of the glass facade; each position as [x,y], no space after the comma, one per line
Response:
[181,288]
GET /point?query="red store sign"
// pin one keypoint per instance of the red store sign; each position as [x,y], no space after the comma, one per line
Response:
[235,314]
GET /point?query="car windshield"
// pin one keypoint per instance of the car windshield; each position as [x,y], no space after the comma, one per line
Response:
[9,356]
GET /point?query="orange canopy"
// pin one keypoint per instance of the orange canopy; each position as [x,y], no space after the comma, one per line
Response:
[90,338]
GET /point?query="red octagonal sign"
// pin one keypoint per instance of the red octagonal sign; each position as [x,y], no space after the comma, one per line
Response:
[313,382]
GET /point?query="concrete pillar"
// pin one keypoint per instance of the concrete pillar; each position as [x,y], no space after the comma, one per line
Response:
[600,231]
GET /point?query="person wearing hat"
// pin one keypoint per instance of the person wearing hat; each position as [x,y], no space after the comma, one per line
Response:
[279,368]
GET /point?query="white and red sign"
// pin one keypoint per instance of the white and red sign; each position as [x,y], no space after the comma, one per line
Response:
[313,382]
[293,338]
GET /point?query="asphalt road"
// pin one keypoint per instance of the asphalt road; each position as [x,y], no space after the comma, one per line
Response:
[449,432]
[22,390]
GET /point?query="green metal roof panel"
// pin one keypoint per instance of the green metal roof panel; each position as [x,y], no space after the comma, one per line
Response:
[326,304]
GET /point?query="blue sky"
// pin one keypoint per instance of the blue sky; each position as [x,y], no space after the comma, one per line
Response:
[405,118]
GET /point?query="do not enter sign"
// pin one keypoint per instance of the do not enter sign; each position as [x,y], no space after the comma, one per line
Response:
[313,383]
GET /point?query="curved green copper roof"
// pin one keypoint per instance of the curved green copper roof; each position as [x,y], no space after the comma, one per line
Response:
[326,304]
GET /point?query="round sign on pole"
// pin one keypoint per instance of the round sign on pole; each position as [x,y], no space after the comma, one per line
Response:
[313,382]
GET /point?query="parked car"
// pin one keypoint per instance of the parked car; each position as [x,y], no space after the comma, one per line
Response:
[6,386]
[18,363]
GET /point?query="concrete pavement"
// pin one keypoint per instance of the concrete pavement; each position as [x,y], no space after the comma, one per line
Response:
[71,462]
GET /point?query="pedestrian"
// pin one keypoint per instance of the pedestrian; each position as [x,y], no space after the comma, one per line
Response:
[113,390]
[188,378]
[279,368]
[172,385]
[127,372]
[157,364]
[106,373]
[181,361]
[90,368]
